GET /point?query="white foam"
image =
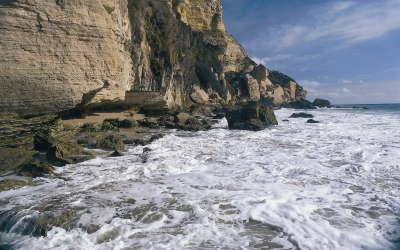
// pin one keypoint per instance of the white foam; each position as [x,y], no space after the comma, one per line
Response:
[331,185]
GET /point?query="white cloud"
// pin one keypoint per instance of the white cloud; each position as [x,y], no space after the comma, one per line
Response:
[307,83]
[262,61]
[390,70]
[346,81]
[342,93]
[346,23]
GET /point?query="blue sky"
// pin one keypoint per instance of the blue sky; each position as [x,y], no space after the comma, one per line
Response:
[343,51]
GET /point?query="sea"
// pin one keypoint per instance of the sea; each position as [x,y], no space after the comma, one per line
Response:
[328,185]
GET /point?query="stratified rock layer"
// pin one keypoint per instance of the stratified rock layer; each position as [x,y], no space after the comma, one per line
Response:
[78,55]
[52,53]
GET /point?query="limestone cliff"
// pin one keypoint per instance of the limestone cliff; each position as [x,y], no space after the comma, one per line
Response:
[58,55]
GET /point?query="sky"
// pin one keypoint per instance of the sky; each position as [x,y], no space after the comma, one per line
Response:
[345,51]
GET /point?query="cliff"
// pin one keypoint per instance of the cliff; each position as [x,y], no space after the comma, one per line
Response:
[71,56]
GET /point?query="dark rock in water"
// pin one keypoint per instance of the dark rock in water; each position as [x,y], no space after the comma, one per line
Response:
[37,169]
[312,121]
[156,137]
[301,104]
[208,123]
[285,120]
[116,153]
[12,159]
[61,153]
[322,103]
[146,149]
[111,142]
[79,158]
[254,125]
[250,117]
[9,184]
[141,142]
[301,115]
[184,121]
[145,155]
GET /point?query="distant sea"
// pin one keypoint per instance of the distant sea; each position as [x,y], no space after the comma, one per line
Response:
[328,185]
[385,106]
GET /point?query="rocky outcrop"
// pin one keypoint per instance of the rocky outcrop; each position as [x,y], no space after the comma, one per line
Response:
[184,121]
[13,159]
[252,117]
[322,103]
[64,152]
[37,169]
[71,56]
[301,115]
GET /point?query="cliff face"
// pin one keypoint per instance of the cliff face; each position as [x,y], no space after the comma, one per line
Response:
[58,55]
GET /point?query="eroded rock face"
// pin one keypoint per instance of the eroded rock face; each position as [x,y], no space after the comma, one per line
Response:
[53,53]
[79,55]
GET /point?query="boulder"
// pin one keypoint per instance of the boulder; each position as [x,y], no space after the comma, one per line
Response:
[301,115]
[198,95]
[141,142]
[253,125]
[251,118]
[128,123]
[312,121]
[37,169]
[108,127]
[110,142]
[322,103]
[181,118]
[118,123]
[61,153]
[91,127]
[9,184]
[12,159]
[148,122]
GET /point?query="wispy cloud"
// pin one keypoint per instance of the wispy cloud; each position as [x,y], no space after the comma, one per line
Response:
[264,60]
[346,81]
[391,70]
[343,93]
[346,23]
[307,83]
